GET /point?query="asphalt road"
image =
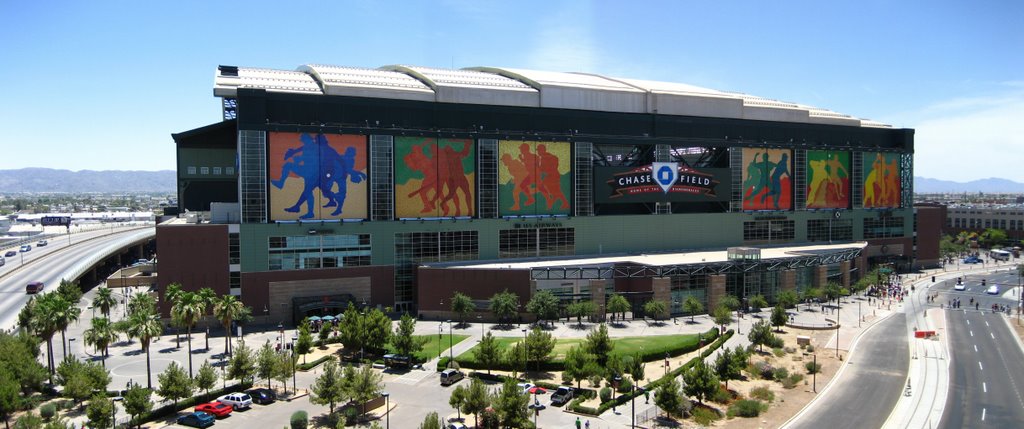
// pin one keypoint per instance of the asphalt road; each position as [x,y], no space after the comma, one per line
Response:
[987,373]
[870,385]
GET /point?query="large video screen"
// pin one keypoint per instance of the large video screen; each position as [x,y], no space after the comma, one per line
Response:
[767,179]
[828,179]
[534,178]
[881,180]
[434,177]
[317,176]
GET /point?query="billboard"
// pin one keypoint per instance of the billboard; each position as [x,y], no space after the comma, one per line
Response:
[828,179]
[534,178]
[881,180]
[660,182]
[434,177]
[767,179]
[316,176]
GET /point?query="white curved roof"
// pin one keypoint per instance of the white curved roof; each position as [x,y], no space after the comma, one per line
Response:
[501,86]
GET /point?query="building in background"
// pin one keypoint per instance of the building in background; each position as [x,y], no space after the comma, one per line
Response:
[398,186]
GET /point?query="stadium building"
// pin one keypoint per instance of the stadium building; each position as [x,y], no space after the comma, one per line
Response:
[398,186]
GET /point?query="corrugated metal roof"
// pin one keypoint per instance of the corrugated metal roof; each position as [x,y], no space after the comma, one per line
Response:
[225,83]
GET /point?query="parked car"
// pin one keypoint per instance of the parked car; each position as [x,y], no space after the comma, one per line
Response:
[561,396]
[217,409]
[972,260]
[525,387]
[455,425]
[41,243]
[26,248]
[262,396]
[451,376]
[960,286]
[11,253]
[993,290]
[34,287]
[237,400]
[197,419]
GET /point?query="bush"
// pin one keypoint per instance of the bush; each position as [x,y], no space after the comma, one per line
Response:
[775,342]
[810,348]
[791,381]
[812,367]
[789,350]
[747,408]
[686,408]
[778,352]
[47,411]
[606,394]
[764,370]
[721,396]
[762,393]
[704,415]
[625,385]
[780,374]
[313,364]
[299,420]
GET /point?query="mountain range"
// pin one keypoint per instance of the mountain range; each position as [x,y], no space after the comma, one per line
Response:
[112,181]
[66,181]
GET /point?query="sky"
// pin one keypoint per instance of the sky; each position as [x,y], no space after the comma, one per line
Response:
[102,85]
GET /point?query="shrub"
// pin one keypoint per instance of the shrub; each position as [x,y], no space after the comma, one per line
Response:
[762,393]
[686,408]
[810,348]
[625,385]
[764,370]
[778,352]
[812,367]
[299,420]
[789,350]
[606,394]
[775,341]
[47,411]
[780,374]
[704,415]
[721,396]
[747,408]
[791,381]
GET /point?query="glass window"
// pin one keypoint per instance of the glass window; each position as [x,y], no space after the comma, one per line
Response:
[886,227]
[769,230]
[829,229]
[536,242]
[204,170]
[217,171]
[318,251]
[191,170]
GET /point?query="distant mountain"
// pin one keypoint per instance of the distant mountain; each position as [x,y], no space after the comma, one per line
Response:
[67,181]
[993,185]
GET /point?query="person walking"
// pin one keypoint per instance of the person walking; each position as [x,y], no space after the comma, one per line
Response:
[578,422]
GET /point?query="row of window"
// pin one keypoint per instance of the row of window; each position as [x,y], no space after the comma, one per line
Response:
[216,171]
[972,223]
[318,251]
[821,229]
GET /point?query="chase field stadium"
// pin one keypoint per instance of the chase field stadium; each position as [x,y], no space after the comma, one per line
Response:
[398,186]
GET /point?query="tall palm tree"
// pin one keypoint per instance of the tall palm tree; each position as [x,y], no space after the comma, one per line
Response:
[227,309]
[104,301]
[43,324]
[100,335]
[65,313]
[208,297]
[145,326]
[142,303]
[187,310]
[172,295]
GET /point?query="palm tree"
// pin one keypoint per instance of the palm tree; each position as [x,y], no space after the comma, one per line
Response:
[172,296]
[227,309]
[65,313]
[145,326]
[104,301]
[142,303]
[43,324]
[187,310]
[100,335]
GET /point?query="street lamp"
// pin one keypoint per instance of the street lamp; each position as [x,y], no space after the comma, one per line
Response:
[266,317]
[295,390]
[480,320]
[440,327]
[387,409]
[615,388]
[70,340]
[451,346]
[525,368]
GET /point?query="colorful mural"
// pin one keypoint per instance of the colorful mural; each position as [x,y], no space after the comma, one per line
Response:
[828,179]
[434,178]
[881,180]
[317,176]
[534,178]
[767,179]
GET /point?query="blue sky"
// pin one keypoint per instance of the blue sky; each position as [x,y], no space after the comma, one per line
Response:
[102,85]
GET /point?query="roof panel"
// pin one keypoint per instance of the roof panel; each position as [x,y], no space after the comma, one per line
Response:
[226,83]
[364,82]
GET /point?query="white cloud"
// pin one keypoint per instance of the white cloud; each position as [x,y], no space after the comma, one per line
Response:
[971,138]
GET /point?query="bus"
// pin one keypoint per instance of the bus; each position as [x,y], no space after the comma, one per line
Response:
[999,255]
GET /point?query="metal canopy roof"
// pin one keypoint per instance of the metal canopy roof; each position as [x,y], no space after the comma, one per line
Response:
[526,88]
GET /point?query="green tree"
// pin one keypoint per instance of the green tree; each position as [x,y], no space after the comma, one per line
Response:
[284,368]
[576,364]
[701,381]
[367,385]
[10,395]
[186,310]
[376,330]
[350,329]
[304,345]
[100,335]
[544,304]
[811,294]
[328,388]
[227,309]
[760,334]
[137,401]
[992,237]
[787,298]
[539,345]
[478,398]
[731,302]
[599,344]
[456,399]
[487,352]
[504,305]
[432,421]
[726,367]
[20,356]
[266,362]
[515,358]
[78,387]
[242,365]
[618,304]
[510,405]
[403,340]
[722,316]
[100,411]
[832,291]
[635,368]
[28,421]
[669,398]
[779,317]
[656,309]
[71,292]
[104,301]
[580,309]
[693,306]
[64,314]
[325,334]
[462,305]
[757,302]
[144,325]
[43,323]
[174,383]
[206,377]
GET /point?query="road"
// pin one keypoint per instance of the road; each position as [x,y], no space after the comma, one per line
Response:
[873,380]
[987,372]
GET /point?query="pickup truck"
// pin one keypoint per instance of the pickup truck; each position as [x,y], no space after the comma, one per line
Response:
[561,396]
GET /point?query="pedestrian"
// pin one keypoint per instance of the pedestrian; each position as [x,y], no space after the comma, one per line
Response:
[578,424]
[587,425]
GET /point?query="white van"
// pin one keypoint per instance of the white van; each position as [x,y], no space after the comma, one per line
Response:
[451,376]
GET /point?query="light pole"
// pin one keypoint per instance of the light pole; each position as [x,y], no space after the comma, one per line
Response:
[266,317]
[295,390]
[70,340]
[480,320]
[615,388]
[451,353]
[387,409]
[440,327]
[838,325]
[525,368]
[814,375]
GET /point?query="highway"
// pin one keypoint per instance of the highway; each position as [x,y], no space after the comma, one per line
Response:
[47,264]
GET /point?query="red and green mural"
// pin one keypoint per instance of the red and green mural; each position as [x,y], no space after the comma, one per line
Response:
[767,179]
[828,179]
[434,177]
[317,176]
[881,180]
[534,178]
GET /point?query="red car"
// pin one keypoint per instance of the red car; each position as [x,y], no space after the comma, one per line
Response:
[217,409]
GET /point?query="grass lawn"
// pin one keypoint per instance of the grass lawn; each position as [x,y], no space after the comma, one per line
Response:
[653,346]
[430,348]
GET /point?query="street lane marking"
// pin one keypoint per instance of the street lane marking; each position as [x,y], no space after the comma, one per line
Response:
[986,323]
[982,414]
[972,333]
[975,348]
[983,387]
[968,322]
[980,367]
[993,335]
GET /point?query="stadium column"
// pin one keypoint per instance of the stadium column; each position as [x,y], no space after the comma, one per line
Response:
[788,280]
[597,296]
[716,290]
[820,278]
[662,288]
[844,267]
